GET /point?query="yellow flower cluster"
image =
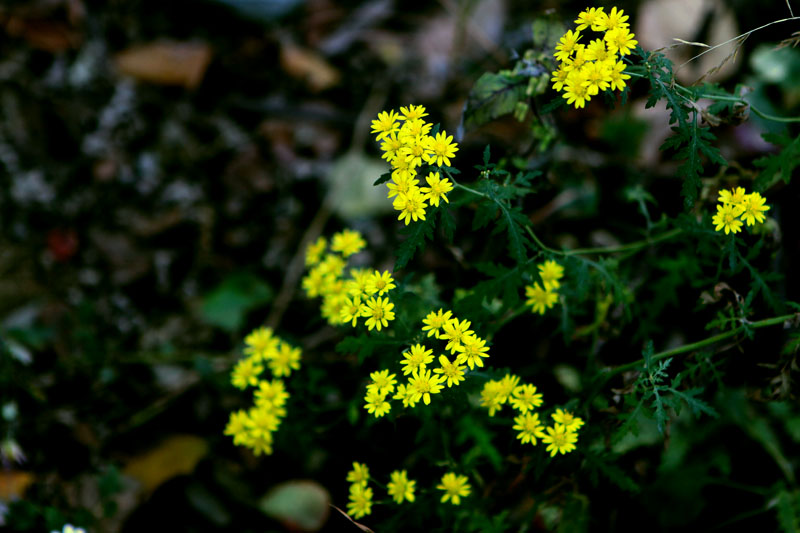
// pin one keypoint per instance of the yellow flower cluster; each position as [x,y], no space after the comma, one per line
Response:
[400,488]
[408,146]
[360,503]
[586,69]
[736,206]
[254,427]
[544,296]
[560,437]
[462,342]
[360,294]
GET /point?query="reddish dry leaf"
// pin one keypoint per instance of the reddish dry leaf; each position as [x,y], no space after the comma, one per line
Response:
[166,63]
[13,484]
[48,35]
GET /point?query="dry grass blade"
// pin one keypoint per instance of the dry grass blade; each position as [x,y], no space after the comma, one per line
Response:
[362,527]
[733,39]
[792,41]
[722,63]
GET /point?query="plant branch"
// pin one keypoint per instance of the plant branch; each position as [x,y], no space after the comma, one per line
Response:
[701,344]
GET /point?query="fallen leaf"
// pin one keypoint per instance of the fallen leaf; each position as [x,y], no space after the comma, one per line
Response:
[353,194]
[166,63]
[48,35]
[308,66]
[13,484]
[175,456]
[299,504]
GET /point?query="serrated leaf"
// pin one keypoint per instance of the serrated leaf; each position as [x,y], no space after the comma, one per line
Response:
[780,165]
[416,233]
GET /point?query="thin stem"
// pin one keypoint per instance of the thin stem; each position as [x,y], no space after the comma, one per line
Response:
[625,247]
[701,344]
[464,187]
[631,246]
[757,111]
[541,244]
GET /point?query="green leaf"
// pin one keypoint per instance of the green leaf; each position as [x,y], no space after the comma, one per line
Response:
[604,463]
[416,233]
[780,165]
[470,430]
[493,96]
[228,304]
[383,179]
[788,508]
[364,345]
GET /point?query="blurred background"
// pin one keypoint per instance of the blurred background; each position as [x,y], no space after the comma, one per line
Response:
[162,165]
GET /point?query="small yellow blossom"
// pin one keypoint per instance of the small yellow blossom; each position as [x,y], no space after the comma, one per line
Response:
[400,487]
[455,487]
[360,503]
[359,475]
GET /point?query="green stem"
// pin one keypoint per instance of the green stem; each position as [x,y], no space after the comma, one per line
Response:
[701,344]
[631,246]
[738,100]
[465,188]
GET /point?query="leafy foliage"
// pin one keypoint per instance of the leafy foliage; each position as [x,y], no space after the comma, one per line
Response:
[690,142]
[781,164]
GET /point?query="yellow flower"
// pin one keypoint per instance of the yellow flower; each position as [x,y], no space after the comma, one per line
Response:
[284,360]
[411,206]
[423,384]
[568,420]
[559,440]
[616,76]
[434,322]
[525,398]
[360,503]
[455,332]
[471,350]
[620,40]
[416,359]
[359,474]
[375,403]
[380,283]
[315,250]
[440,149]
[246,373]
[413,112]
[378,312]
[259,343]
[753,208]
[567,44]
[437,189]
[351,310]
[726,218]
[529,428]
[382,381]
[589,18]
[550,272]
[576,89]
[735,196]
[540,299]
[452,372]
[347,242]
[454,487]
[400,487]
[385,124]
